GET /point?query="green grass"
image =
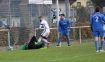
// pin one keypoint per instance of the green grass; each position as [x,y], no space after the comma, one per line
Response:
[75,53]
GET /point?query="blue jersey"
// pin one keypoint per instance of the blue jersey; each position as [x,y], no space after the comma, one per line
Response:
[63,25]
[96,21]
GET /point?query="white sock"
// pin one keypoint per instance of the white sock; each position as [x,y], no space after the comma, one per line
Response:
[45,40]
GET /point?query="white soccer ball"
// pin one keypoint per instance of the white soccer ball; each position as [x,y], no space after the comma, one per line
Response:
[10,48]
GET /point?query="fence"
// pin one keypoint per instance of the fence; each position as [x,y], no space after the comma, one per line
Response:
[22,18]
[77,35]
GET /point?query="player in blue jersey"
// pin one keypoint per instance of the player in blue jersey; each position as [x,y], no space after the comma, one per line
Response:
[96,23]
[63,29]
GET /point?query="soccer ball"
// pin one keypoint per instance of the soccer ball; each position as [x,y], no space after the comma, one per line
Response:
[9,48]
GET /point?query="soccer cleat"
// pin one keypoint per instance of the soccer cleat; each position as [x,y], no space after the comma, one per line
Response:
[97,51]
[58,45]
[102,51]
[69,45]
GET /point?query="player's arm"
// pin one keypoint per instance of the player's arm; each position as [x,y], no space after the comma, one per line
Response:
[41,25]
[103,19]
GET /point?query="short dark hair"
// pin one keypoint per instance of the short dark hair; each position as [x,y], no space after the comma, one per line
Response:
[97,9]
[62,14]
[40,16]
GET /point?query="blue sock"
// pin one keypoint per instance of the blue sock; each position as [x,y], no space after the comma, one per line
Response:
[96,45]
[102,44]
[58,41]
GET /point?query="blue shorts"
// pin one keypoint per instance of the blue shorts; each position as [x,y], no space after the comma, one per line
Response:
[64,33]
[98,33]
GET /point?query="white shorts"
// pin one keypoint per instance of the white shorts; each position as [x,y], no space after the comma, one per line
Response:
[45,34]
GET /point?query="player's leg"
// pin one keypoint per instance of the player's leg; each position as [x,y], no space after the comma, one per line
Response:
[67,37]
[96,40]
[96,44]
[102,44]
[59,40]
[102,40]
[44,37]
[46,42]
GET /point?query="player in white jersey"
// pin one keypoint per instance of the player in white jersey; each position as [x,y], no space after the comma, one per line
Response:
[46,31]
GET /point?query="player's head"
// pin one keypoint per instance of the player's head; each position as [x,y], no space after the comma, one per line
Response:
[97,9]
[41,18]
[62,16]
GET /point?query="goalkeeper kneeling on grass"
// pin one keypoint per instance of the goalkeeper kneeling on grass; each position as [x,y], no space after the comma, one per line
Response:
[33,44]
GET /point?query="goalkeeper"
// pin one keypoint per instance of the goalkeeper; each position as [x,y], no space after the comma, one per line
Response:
[33,44]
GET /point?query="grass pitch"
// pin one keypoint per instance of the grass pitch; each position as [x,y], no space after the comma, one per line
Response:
[75,53]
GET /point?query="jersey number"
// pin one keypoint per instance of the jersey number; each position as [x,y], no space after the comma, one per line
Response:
[97,19]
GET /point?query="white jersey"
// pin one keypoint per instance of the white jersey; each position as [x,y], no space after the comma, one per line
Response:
[46,28]
[104,27]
